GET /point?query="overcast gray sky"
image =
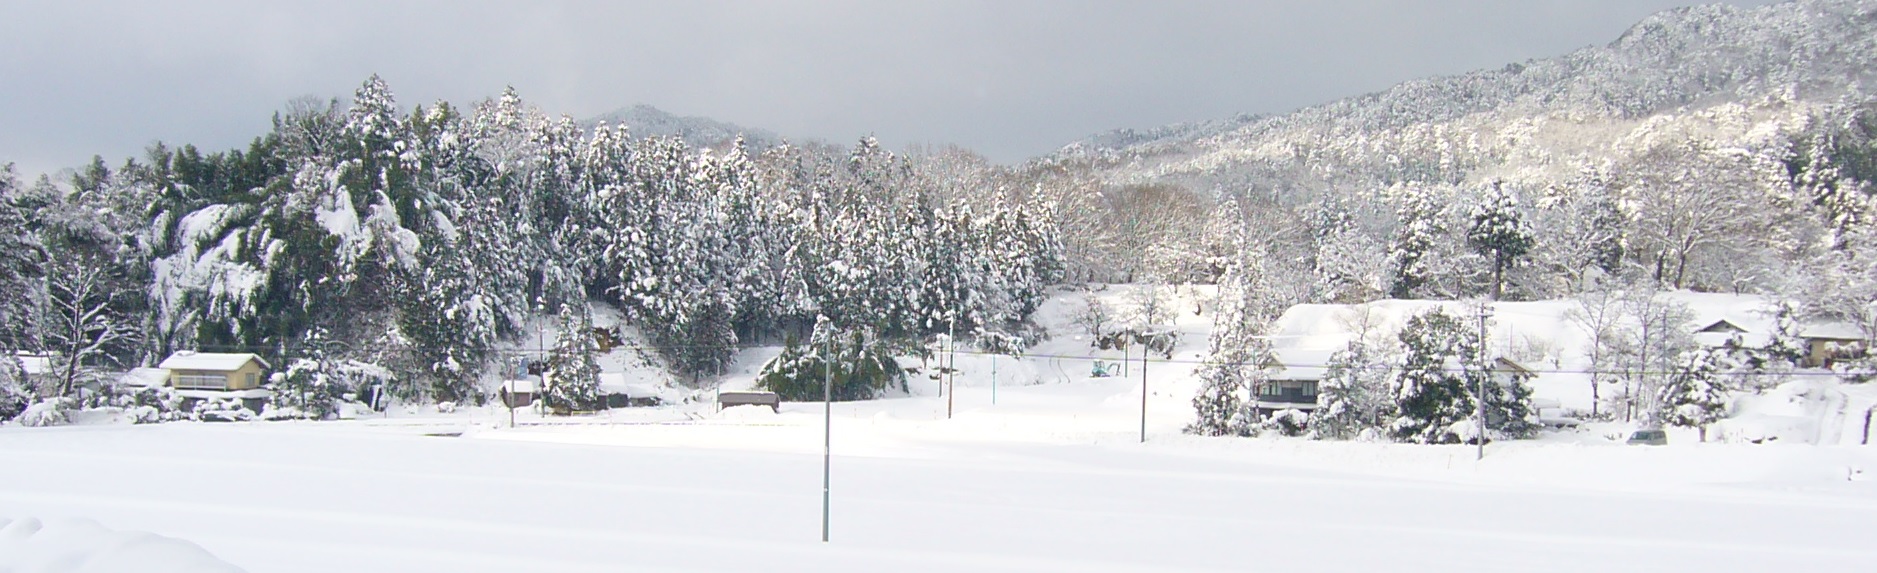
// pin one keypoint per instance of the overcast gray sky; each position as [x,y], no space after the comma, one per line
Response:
[1011,79]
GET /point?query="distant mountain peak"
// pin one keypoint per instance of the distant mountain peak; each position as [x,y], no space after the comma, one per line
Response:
[1685,58]
[696,131]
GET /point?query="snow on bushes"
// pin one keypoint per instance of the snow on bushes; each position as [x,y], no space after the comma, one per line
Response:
[222,410]
[48,412]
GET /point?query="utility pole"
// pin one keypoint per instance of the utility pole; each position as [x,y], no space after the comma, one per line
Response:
[951,367]
[1479,391]
[1143,392]
[827,430]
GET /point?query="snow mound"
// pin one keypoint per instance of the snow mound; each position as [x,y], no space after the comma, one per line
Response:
[28,545]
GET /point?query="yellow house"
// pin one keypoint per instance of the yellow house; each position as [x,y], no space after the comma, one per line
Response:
[190,370]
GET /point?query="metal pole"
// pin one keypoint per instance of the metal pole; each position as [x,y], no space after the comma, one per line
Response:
[827,432]
[1479,392]
[951,368]
[993,379]
[1143,392]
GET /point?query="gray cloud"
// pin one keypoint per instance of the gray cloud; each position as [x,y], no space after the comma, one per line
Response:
[1011,79]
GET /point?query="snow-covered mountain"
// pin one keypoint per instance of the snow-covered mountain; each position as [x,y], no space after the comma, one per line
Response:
[698,132]
[1525,120]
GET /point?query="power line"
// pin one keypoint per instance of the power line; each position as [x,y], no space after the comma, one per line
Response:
[502,352]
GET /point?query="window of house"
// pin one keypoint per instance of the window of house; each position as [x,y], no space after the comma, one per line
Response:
[1310,388]
[253,379]
[201,381]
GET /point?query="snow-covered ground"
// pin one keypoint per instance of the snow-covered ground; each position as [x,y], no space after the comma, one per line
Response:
[1005,488]
[1042,471]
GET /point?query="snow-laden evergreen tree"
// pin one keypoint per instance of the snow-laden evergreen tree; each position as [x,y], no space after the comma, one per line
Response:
[1433,387]
[1499,232]
[1239,359]
[1414,253]
[21,260]
[1508,396]
[573,373]
[310,387]
[863,367]
[1353,395]
[15,394]
[1694,396]
[1834,166]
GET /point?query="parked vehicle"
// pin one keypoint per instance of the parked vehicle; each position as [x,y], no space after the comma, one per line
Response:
[1648,438]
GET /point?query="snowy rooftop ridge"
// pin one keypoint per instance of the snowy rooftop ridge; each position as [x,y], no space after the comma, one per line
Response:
[222,361]
[144,378]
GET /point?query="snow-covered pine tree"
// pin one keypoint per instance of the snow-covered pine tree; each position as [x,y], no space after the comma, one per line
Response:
[1499,232]
[1420,228]
[1239,359]
[573,373]
[309,388]
[864,367]
[1693,396]
[1508,395]
[1432,386]
[1834,166]
[21,258]
[1353,395]
[14,394]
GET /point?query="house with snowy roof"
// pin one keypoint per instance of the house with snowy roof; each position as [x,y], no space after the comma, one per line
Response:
[218,371]
[1829,341]
[1291,379]
[199,376]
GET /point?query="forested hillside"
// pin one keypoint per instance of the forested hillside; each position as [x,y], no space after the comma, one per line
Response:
[418,240]
[1709,148]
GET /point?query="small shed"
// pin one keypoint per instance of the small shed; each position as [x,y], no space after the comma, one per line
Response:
[517,393]
[732,399]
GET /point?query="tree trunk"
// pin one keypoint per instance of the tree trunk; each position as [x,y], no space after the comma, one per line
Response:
[1681,267]
[1595,399]
[1498,276]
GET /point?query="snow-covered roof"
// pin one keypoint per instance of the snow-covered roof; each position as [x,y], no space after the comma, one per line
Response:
[1835,330]
[1295,364]
[35,363]
[144,378]
[1721,326]
[615,383]
[522,385]
[216,361]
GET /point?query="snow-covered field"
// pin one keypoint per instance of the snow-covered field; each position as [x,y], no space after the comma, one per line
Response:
[994,489]
[1043,472]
